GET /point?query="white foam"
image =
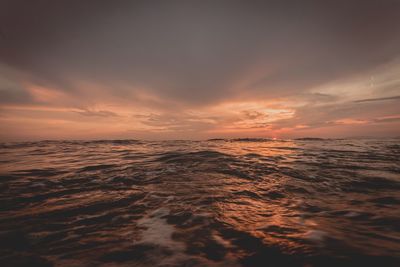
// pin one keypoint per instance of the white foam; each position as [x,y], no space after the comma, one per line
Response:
[316,235]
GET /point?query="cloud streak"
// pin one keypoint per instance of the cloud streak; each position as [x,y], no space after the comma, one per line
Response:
[378,99]
[97,113]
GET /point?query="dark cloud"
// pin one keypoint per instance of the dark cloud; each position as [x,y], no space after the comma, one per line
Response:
[378,99]
[252,114]
[197,51]
[14,95]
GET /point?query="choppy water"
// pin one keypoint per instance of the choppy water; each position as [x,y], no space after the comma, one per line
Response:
[208,203]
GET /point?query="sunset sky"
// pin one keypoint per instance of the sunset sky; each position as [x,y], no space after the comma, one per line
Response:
[199,69]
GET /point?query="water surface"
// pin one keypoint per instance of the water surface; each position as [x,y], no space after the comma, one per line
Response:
[242,202]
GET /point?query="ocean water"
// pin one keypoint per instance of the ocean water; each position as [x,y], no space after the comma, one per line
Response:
[246,202]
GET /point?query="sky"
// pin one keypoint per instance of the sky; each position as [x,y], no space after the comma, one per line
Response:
[199,69]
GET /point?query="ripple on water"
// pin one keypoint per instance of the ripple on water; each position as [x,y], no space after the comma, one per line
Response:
[246,202]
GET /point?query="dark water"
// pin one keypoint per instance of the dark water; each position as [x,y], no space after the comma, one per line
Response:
[209,203]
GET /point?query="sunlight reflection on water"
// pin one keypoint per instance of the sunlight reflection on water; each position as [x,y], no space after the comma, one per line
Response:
[201,203]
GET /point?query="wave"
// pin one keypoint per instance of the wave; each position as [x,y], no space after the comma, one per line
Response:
[225,202]
[310,139]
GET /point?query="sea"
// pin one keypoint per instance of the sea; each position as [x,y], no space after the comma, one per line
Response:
[222,202]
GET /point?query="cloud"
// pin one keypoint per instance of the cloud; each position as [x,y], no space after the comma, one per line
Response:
[378,99]
[253,114]
[197,52]
[177,122]
[14,96]
[394,118]
[97,113]
[201,65]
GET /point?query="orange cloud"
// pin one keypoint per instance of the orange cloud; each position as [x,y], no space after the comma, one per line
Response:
[43,94]
[350,121]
